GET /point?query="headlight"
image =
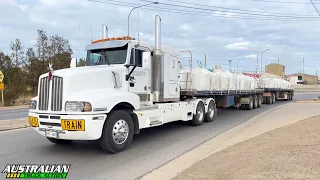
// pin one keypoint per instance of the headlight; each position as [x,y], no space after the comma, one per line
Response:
[79,106]
[33,104]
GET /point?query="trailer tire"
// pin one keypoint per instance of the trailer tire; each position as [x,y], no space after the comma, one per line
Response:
[211,113]
[198,118]
[118,123]
[269,99]
[255,101]
[59,141]
[260,99]
[250,105]
[273,98]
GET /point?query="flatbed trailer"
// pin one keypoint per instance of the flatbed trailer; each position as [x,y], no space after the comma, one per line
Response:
[244,99]
[271,95]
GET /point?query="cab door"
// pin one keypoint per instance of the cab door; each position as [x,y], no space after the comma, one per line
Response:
[139,81]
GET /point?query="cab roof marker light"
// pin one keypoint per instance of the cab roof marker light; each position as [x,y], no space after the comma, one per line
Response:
[112,39]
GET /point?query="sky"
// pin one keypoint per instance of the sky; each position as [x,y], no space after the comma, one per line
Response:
[222,30]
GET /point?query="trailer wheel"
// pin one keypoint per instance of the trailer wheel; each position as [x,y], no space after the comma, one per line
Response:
[198,118]
[269,99]
[59,141]
[260,99]
[250,105]
[117,133]
[255,101]
[212,112]
[273,98]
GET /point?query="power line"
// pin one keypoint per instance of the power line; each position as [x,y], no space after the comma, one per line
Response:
[315,7]
[224,11]
[284,2]
[127,4]
[233,8]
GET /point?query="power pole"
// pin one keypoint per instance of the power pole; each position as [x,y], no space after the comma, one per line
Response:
[230,65]
[303,65]
[257,64]
[278,61]
[205,61]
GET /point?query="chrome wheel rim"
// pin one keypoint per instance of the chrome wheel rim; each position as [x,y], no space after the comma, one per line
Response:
[211,111]
[200,114]
[120,131]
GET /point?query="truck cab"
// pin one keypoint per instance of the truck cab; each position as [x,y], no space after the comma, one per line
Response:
[126,85]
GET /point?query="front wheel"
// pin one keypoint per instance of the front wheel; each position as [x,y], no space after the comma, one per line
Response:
[59,141]
[117,132]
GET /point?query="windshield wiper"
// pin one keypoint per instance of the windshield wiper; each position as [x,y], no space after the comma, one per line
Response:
[103,54]
[99,59]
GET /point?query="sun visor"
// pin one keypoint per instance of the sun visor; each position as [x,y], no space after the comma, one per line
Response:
[106,44]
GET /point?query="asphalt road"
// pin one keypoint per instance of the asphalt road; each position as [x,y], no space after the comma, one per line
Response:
[16,113]
[150,149]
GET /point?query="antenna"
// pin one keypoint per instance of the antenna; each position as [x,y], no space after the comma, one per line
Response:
[138,28]
[90,30]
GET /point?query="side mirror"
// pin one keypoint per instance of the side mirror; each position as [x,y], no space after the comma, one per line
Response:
[73,63]
[146,60]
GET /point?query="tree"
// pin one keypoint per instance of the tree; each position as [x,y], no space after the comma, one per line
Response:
[81,62]
[17,54]
[22,69]
[14,79]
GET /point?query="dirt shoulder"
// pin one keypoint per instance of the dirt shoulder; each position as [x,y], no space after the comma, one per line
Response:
[291,152]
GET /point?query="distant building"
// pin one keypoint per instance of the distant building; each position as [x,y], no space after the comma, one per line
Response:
[301,78]
[276,69]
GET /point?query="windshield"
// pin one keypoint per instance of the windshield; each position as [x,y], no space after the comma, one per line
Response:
[106,56]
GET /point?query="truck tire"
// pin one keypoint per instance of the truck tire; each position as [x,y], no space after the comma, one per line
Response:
[250,105]
[117,133]
[59,141]
[198,118]
[269,99]
[260,99]
[255,101]
[273,98]
[211,113]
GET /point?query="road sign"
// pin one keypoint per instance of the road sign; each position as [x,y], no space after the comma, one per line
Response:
[1,86]
[1,77]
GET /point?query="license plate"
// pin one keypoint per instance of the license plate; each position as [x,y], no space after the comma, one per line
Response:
[33,121]
[51,134]
[73,125]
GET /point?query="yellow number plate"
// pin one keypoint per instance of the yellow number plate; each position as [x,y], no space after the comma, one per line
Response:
[73,125]
[33,121]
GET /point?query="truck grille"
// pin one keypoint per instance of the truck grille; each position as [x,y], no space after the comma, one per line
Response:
[56,101]
[56,94]
[44,93]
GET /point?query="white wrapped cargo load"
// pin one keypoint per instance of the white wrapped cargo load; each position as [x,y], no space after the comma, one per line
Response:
[215,80]
[241,80]
[277,83]
[200,78]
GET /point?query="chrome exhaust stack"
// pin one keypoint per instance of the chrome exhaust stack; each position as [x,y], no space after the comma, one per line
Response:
[104,31]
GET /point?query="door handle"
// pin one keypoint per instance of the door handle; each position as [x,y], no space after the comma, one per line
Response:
[132,81]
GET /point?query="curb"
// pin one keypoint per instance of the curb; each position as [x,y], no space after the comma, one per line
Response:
[13,107]
[175,166]
[6,125]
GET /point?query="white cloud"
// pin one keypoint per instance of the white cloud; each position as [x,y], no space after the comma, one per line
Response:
[186,27]
[220,38]
[239,46]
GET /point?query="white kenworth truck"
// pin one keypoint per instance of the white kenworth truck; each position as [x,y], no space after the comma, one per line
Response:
[126,85]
